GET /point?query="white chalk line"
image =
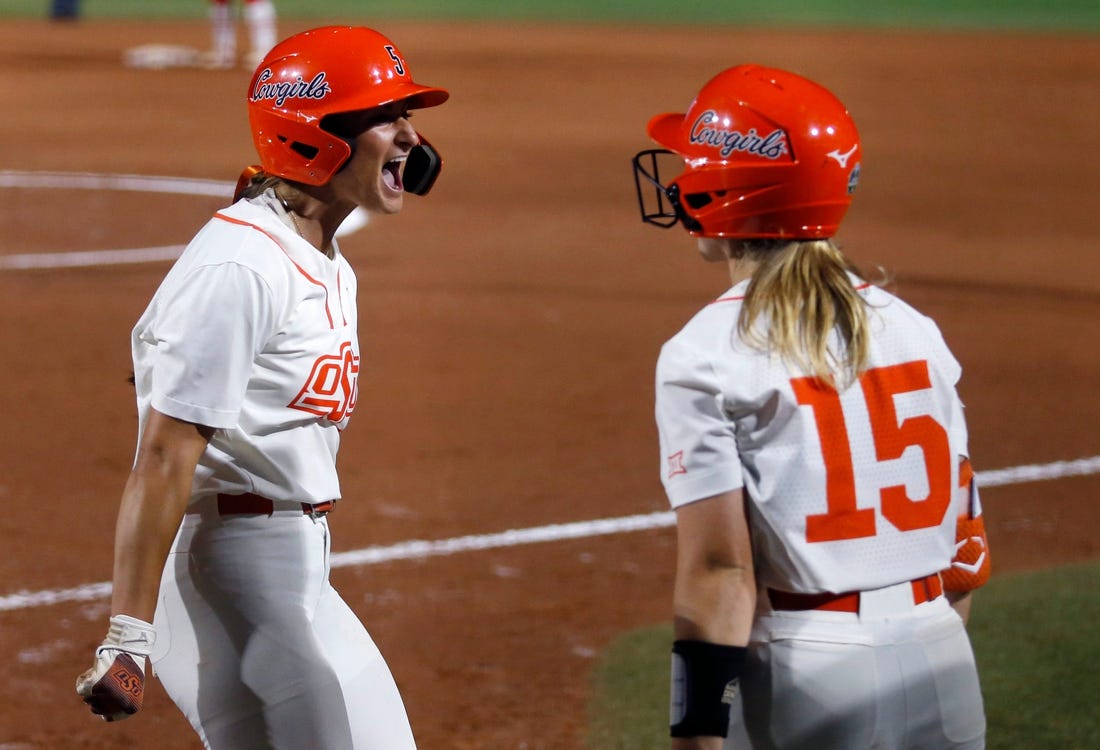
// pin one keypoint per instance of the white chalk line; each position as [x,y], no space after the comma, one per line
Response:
[131,182]
[84,258]
[417,549]
[91,181]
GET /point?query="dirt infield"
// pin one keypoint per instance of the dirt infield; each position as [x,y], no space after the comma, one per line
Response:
[509,328]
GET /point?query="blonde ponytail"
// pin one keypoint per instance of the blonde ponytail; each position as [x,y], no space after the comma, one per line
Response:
[802,291]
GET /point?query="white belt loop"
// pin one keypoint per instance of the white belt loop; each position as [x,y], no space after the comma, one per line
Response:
[890,600]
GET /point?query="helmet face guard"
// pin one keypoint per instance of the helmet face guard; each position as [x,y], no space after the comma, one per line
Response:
[659,203]
[321,72]
[762,153]
[422,167]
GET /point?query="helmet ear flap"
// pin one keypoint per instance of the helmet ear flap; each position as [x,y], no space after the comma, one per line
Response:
[304,152]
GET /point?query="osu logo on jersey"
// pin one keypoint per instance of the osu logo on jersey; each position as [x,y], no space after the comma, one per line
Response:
[332,386]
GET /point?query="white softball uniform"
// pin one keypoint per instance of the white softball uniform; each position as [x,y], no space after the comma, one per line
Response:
[253,332]
[850,491]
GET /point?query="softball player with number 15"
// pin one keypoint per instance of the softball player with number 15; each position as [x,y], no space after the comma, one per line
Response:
[813,447]
[246,365]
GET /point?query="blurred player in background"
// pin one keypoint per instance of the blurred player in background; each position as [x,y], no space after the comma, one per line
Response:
[259,19]
[65,10]
[246,365]
[813,447]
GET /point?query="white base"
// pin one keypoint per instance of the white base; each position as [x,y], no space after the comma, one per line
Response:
[161,56]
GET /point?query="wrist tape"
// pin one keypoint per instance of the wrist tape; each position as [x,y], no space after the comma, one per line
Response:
[704,684]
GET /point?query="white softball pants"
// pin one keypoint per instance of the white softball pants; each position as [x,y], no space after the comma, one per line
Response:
[259,651]
[903,678]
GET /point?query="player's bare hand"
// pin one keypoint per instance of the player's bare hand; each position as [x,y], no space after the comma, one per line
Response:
[114,687]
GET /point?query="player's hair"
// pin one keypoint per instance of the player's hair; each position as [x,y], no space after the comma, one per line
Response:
[802,291]
[256,184]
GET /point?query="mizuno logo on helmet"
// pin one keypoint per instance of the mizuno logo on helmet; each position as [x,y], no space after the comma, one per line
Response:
[771,146]
[842,159]
[318,88]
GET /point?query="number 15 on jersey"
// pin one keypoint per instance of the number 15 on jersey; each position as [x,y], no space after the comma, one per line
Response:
[879,387]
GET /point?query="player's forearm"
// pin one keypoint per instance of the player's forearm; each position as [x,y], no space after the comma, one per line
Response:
[714,604]
[153,502]
[149,516]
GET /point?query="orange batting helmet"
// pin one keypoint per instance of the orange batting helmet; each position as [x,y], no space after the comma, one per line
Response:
[767,154]
[322,72]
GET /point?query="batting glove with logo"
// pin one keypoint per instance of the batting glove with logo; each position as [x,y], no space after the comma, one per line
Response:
[115,685]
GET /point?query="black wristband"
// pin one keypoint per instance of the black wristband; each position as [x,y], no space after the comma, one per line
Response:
[704,681]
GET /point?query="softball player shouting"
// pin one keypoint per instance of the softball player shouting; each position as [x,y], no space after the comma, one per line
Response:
[813,447]
[246,363]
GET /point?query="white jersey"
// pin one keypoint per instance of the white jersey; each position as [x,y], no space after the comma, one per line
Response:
[253,332]
[847,491]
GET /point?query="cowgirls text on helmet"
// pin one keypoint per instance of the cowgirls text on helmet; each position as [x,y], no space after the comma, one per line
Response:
[766,154]
[330,71]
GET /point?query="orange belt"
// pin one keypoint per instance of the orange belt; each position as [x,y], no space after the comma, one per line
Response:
[229,505]
[924,590]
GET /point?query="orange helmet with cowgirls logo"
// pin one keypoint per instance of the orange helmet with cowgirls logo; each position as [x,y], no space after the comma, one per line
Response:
[767,154]
[317,73]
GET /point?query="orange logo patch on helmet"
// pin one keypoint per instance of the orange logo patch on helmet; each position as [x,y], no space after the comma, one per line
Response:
[280,91]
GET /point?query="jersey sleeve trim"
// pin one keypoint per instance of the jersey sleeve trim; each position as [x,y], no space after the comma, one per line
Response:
[219,419]
[700,487]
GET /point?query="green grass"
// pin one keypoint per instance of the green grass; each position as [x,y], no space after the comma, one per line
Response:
[1035,637]
[1038,648]
[630,706]
[1068,15]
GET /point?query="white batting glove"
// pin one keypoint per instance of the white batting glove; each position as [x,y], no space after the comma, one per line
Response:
[115,685]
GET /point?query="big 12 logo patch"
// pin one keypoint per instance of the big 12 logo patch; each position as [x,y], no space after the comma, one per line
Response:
[332,386]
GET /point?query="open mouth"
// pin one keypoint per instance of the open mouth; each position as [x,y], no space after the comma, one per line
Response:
[391,174]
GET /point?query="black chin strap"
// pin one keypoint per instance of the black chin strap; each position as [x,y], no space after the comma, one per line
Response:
[690,224]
